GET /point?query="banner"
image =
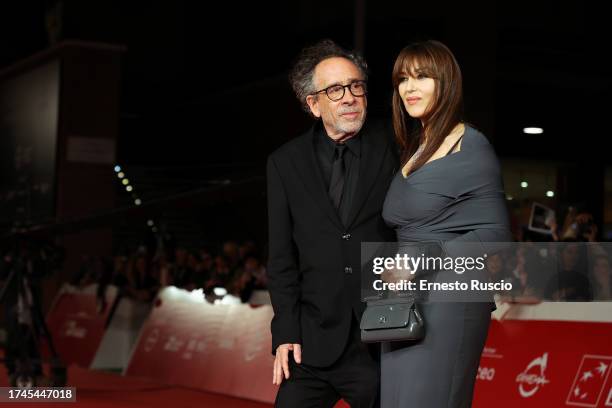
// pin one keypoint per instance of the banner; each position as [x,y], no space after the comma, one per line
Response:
[219,348]
[215,347]
[543,363]
[77,324]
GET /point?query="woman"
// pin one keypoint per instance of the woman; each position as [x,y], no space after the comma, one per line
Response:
[448,190]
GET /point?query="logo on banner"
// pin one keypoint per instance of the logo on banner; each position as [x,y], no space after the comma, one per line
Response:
[72,329]
[590,381]
[485,373]
[533,377]
[173,344]
[491,352]
[151,340]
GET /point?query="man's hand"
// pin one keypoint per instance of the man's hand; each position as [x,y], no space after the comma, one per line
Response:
[281,362]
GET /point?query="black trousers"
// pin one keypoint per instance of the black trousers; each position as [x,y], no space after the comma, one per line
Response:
[355,377]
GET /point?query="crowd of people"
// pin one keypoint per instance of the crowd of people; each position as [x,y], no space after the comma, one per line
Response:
[567,265]
[574,268]
[236,267]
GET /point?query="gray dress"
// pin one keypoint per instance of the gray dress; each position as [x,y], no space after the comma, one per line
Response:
[457,198]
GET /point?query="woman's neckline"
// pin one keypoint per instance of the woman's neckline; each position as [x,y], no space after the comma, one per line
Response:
[401,172]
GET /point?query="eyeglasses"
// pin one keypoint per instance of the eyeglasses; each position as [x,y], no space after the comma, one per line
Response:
[336,92]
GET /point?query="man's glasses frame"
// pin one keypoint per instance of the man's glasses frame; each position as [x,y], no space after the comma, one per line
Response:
[336,92]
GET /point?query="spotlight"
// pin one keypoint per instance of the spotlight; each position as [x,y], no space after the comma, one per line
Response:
[219,291]
[533,130]
[524,184]
[550,193]
[117,169]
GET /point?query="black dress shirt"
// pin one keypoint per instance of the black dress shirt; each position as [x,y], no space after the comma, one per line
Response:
[324,149]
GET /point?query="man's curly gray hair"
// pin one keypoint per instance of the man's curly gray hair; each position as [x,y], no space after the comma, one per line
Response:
[302,73]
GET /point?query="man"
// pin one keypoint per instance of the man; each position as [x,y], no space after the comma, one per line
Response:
[325,194]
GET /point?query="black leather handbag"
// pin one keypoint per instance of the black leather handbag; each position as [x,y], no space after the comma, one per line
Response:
[396,316]
[394,319]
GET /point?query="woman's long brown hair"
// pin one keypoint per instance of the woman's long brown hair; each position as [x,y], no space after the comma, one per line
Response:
[434,60]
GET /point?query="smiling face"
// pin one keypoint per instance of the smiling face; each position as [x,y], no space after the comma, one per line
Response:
[418,92]
[345,117]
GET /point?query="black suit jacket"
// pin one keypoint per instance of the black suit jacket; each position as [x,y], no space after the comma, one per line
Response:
[314,260]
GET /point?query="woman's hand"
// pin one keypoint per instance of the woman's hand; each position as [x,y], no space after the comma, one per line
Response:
[395,275]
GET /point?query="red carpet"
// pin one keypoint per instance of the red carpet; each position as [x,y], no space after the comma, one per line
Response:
[96,389]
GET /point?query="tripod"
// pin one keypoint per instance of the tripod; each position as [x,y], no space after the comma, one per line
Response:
[26,327]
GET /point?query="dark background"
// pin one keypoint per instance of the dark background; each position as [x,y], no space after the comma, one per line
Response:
[204,91]
[213,74]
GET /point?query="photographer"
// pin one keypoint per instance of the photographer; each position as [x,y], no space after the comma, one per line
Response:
[578,227]
[21,268]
